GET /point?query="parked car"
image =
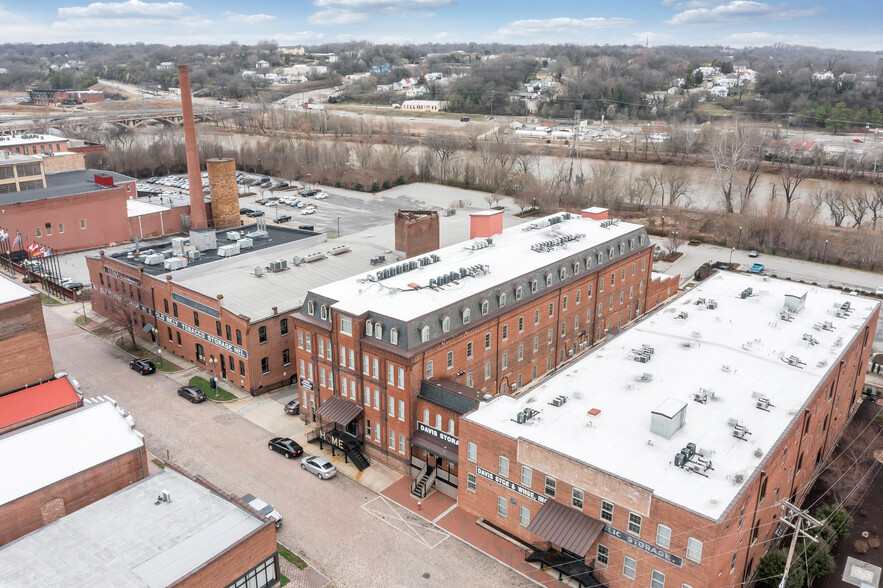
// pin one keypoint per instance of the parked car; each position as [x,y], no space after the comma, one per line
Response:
[293,407]
[142,365]
[255,213]
[309,192]
[319,466]
[321,196]
[283,218]
[753,253]
[74,285]
[191,393]
[308,211]
[245,210]
[880,291]
[285,446]
[756,268]
[263,508]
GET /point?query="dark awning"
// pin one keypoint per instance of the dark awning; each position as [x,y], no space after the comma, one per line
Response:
[435,446]
[566,526]
[339,410]
[148,327]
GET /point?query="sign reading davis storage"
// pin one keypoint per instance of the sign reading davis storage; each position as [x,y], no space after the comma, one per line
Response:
[440,435]
[648,547]
[225,345]
[511,485]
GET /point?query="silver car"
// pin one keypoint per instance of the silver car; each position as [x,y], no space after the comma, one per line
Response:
[319,466]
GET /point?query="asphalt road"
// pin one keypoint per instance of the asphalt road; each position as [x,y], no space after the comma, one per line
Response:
[323,520]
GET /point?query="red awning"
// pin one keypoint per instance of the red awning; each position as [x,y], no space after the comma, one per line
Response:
[26,404]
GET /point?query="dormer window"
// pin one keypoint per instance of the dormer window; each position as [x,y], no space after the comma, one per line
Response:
[445,323]
[466,313]
[640,239]
[621,248]
[575,267]
[369,328]
[519,292]
[502,299]
[424,333]
[484,307]
[378,330]
[534,285]
[323,310]
[548,279]
[394,336]
[311,308]
[631,244]
[588,261]
[611,253]
[600,257]
[562,273]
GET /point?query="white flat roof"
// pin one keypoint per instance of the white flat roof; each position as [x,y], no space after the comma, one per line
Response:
[30,139]
[41,454]
[486,213]
[140,208]
[127,539]
[10,290]
[736,350]
[508,258]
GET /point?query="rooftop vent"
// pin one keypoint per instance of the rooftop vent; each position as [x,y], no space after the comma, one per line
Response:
[682,315]
[339,249]
[378,259]
[228,250]
[668,418]
[642,355]
[526,415]
[692,461]
[763,403]
[795,301]
[825,326]
[559,400]
[745,293]
[810,339]
[740,431]
[310,258]
[164,496]
[794,361]
[234,235]
[258,270]
[278,265]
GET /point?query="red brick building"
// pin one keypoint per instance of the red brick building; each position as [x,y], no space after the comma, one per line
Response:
[663,457]
[403,351]
[24,344]
[33,144]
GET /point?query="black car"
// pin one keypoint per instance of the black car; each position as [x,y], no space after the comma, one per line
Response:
[245,211]
[285,446]
[191,393]
[309,192]
[142,365]
[255,213]
[283,218]
[293,407]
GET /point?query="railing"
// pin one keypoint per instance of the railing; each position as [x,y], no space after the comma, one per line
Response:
[419,477]
[429,482]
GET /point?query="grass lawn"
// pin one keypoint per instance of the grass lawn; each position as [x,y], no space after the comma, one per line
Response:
[83,320]
[45,299]
[712,109]
[287,554]
[127,346]
[167,366]
[283,579]
[159,464]
[202,384]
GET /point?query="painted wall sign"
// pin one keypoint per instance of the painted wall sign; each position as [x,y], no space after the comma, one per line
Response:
[648,547]
[127,301]
[511,485]
[305,383]
[225,345]
[440,435]
[196,305]
[121,276]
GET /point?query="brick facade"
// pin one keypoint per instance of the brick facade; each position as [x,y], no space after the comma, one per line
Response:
[64,162]
[416,232]
[224,192]
[30,512]
[24,344]
[731,547]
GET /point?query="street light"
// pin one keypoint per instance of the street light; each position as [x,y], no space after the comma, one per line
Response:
[213,362]
[535,207]
[155,332]
[663,221]
[740,238]
[731,255]
[825,253]
[338,227]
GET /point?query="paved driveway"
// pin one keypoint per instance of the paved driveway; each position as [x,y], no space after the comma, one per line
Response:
[324,520]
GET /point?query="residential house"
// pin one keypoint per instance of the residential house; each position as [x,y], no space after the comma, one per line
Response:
[262,64]
[380,68]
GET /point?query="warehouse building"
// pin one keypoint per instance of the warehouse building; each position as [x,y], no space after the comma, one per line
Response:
[661,459]
[389,360]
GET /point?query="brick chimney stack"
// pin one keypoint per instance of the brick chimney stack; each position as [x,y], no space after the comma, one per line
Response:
[198,218]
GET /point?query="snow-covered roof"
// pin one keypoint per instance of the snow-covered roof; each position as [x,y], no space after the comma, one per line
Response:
[733,356]
[54,449]
[30,139]
[510,255]
[10,290]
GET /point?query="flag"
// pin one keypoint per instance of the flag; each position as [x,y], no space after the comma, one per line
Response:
[17,239]
[33,247]
[3,235]
[46,252]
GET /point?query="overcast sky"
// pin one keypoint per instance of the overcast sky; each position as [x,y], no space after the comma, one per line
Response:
[845,24]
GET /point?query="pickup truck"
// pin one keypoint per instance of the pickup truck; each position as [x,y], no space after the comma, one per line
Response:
[756,268]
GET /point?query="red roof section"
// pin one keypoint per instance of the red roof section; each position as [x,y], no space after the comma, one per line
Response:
[32,402]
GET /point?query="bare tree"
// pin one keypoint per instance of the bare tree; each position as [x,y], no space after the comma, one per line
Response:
[856,203]
[675,182]
[674,240]
[835,201]
[445,148]
[123,314]
[732,152]
[875,204]
[792,174]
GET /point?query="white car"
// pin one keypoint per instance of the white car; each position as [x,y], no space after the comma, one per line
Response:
[308,211]
[263,508]
[320,196]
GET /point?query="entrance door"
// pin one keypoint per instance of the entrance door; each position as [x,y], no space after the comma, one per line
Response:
[223,368]
[352,428]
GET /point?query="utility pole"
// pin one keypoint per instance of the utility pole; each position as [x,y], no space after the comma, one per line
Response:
[795,518]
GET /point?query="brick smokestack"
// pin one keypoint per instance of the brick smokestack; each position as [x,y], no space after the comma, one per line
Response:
[198,218]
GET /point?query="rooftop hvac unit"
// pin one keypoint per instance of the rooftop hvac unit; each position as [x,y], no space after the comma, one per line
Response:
[339,249]
[277,265]
[435,258]
[167,253]
[175,263]
[559,400]
[258,235]
[178,244]
[258,270]
[745,293]
[432,282]
[228,250]
[297,260]
[194,255]
[314,257]
[155,259]
[234,235]
[245,243]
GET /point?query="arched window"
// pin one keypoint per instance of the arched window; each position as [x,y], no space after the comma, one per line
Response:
[621,248]
[519,292]
[424,334]
[426,416]
[466,316]
[311,308]
[640,239]
[562,273]
[394,336]
[378,330]
[438,422]
[323,311]
[610,253]
[575,267]
[548,278]
[450,426]
[600,257]
[369,328]
[534,285]
[445,323]
[502,299]
[484,307]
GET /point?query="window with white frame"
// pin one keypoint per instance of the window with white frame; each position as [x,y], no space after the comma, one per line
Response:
[548,279]
[438,422]
[523,516]
[394,336]
[606,511]
[392,406]
[466,316]
[504,466]
[576,498]
[323,312]
[502,506]
[484,307]
[519,292]
[635,523]
[487,371]
[469,379]
[446,323]
[657,580]
[366,364]
[549,488]
[471,451]
[424,334]
[694,550]
[390,374]
[663,536]
[377,404]
[369,328]
[603,556]
[629,567]
[401,383]
[470,482]
[526,476]
[426,416]
[469,350]
[502,299]
[375,368]
[562,273]
[450,426]
[401,444]
[504,361]
[311,308]
[536,316]
[392,440]
[378,331]
[377,431]
[368,402]
[449,360]
[429,369]
[401,410]
[346,325]
[533,286]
